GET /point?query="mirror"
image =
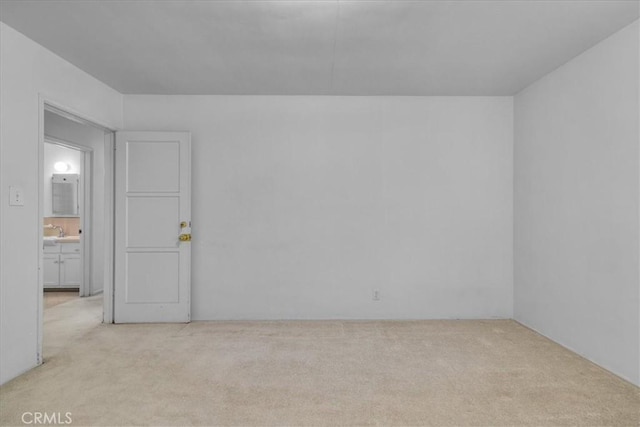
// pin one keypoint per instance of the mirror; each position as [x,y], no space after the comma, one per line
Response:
[65,194]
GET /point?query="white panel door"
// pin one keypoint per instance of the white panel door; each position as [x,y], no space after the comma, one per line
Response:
[153,227]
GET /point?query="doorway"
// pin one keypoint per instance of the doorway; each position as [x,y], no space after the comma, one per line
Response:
[66,225]
[75,205]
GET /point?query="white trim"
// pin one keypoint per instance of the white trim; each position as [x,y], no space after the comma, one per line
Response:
[40,252]
[64,143]
[71,114]
[86,212]
[109,226]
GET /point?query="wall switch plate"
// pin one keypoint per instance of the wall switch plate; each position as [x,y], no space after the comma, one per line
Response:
[375,295]
[16,196]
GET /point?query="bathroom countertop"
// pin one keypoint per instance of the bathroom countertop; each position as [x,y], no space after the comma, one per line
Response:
[65,239]
[69,239]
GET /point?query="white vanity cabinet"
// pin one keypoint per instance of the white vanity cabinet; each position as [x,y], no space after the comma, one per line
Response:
[61,266]
[51,270]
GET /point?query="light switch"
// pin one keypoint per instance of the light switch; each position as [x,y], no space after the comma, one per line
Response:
[16,196]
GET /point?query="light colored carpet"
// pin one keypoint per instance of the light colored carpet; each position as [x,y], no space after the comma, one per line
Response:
[315,373]
[67,322]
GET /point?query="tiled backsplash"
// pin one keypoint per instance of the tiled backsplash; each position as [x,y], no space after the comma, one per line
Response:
[71,226]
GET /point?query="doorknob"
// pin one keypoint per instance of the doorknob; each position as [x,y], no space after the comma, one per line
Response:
[185,237]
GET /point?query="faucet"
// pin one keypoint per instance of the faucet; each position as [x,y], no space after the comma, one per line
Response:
[60,230]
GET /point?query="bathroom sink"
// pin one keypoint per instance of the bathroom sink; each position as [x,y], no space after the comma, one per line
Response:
[50,240]
[53,240]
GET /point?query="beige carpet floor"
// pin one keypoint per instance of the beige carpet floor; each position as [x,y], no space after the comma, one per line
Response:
[383,373]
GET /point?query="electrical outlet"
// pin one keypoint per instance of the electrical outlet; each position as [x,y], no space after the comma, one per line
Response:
[375,295]
[16,196]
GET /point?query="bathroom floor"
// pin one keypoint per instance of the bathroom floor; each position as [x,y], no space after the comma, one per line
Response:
[53,298]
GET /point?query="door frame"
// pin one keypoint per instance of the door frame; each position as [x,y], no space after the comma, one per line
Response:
[49,104]
[85,202]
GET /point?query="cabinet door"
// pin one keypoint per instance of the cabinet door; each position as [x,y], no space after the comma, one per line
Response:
[70,271]
[51,271]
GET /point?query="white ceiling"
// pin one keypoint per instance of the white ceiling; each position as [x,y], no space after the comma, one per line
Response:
[318,47]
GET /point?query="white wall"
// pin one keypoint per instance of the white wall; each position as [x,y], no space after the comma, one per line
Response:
[303,205]
[52,155]
[26,71]
[576,205]
[93,138]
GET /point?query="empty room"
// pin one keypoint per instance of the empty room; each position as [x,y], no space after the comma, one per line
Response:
[319,213]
